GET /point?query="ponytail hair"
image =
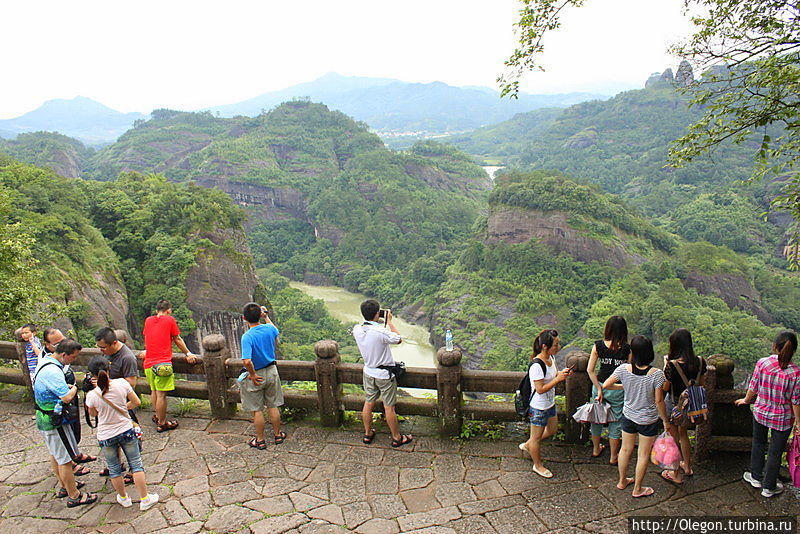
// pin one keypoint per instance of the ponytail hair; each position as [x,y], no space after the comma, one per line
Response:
[546,338]
[785,345]
[98,366]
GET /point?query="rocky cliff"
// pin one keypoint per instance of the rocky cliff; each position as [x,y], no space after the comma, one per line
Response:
[734,289]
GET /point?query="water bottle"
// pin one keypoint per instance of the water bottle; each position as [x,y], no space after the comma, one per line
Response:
[58,407]
[242,376]
[448,340]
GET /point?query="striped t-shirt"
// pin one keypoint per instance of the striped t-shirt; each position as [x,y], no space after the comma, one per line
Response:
[640,394]
[777,390]
[30,354]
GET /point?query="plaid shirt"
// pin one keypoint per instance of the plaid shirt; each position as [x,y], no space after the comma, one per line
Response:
[777,390]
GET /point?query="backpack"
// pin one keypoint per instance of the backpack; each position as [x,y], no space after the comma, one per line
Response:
[524,394]
[692,403]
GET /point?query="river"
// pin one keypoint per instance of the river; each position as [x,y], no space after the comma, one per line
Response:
[415,350]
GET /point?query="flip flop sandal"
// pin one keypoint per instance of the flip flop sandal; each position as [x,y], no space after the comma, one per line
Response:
[666,474]
[257,444]
[523,446]
[83,498]
[546,473]
[280,438]
[84,458]
[599,454]
[404,439]
[154,419]
[646,492]
[628,482]
[81,470]
[62,492]
[367,438]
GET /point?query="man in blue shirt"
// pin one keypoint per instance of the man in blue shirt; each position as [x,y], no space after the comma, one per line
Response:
[262,387]
[50,389]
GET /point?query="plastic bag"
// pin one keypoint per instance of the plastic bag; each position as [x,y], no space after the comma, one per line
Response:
[665,453]
[793,459]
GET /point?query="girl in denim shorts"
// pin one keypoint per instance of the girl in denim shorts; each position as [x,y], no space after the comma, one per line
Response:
[542,410]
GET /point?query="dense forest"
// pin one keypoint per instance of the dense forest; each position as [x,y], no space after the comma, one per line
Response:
[585,222]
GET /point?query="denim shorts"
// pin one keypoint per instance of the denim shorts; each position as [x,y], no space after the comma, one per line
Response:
[129,443]
[539,417]
[651,430]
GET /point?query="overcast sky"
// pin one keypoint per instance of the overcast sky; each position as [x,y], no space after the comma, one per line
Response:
[138,56]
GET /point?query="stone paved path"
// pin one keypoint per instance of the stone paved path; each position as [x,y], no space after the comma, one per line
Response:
[325,481]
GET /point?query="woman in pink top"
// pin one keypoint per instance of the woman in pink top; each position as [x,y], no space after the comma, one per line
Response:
[110,402]
[776,384]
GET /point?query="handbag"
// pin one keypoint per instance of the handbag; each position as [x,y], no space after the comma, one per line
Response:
[137,430]
[681,414]
[163,369]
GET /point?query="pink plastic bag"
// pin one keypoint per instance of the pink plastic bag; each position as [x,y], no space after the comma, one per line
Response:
[666,454]
[793,458]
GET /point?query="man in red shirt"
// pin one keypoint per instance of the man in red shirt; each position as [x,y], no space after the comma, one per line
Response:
[160,332]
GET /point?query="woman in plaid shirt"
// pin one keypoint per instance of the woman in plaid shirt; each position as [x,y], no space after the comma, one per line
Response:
[775,385]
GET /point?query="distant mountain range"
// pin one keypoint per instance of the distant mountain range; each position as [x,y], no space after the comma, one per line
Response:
[390,107]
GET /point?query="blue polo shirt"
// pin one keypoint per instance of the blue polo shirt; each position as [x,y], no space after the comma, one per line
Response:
[49,387]
[258,345]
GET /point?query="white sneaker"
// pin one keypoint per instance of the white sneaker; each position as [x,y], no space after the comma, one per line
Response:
[771,493]
[149,502]
[748,477]
[124,501]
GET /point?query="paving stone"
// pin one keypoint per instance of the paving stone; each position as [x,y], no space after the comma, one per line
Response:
[28,475]
[453,493]
[322,472]
[346,454]
[94,516]
[185,469]
[192,486]
[14,442]
[11,459]
[448,468]
[489,490]
[330,513]
[387,506]
[303,502]
[480,462]
[412,478]
[490,449]
[149,521]
[222,461]
[421,520]
[572,509]
[347,490]
[379,526]
[230,476]
[319,490]
[21,504]
[382,479]
[436,446]
[198,506]
[281,486]
[432,530]
[403,458]
[319,526]
[297,472]
[478,476]
[515,519]
[350,470]
[31,524]
[175,513]
[474,524]
[51,508]
[228,426]
[186,528]
[515,464]
[234,493]
[271,469]
[518,482]
[490,505]
[420,500]
[271,505]
[230,518]
[613,525]
[292,458]
[278,525]
[356,513]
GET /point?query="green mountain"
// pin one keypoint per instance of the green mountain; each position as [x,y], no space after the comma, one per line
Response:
[65,155]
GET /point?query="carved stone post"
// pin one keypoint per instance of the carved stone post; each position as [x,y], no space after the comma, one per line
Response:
[577,387]
[23,364]
[215,354]
[329,390]
[448,387]
[705,431]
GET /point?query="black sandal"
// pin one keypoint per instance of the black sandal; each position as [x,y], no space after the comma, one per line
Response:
[83,498]
[168,425]
[259,444]
[84,458]
[62,492]
[367,438]
[127,478]
[280,438]
[404,440]
[80,470]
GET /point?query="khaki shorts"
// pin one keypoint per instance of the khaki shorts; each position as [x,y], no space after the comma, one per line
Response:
[385,388]
[266,394]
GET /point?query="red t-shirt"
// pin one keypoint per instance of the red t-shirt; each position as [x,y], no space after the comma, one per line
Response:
[158,334]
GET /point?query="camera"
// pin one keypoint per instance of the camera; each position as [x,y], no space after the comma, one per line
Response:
[87,385]
[382,313]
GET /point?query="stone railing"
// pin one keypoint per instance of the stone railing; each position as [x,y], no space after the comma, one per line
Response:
[727,429]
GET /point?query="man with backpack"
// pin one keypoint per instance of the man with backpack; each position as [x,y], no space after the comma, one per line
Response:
[53,396]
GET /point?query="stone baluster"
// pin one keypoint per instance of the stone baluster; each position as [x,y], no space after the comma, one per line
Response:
[329,390]
[577,388]
[448,387]
[705,430]
[215,356]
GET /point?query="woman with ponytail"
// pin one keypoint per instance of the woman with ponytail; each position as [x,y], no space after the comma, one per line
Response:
[542,410]
[775,387]
[110,402]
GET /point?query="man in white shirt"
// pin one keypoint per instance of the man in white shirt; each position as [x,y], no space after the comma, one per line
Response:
[374,340]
